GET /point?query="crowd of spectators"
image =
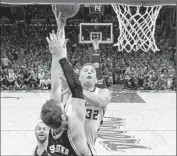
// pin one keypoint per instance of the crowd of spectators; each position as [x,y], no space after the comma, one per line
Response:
[140,70]
[26,60]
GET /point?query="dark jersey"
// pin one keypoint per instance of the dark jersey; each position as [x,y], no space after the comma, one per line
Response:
[43,153]
[61,144]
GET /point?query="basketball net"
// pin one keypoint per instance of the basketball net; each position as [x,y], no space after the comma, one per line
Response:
[136,29]
[96,43]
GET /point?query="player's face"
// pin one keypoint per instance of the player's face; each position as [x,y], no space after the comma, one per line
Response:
[41,132]
[88,76]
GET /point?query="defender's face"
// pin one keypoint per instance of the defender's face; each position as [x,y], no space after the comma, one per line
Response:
[88,76]
[41,132]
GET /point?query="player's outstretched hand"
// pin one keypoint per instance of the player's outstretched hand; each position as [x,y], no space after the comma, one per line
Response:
[56,46]
[61,22]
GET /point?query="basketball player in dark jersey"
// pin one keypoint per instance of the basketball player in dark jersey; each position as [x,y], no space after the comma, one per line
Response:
[41,132]
[66,135]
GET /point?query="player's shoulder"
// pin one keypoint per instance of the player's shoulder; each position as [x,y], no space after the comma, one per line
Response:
[105,94]
[97,89]
[104,90]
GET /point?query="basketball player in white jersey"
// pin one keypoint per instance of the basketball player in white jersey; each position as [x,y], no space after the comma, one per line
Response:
[96,99]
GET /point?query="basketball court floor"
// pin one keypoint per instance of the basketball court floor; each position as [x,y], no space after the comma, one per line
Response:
[135,123]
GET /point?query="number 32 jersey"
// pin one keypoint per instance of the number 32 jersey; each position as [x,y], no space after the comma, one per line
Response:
[94,116]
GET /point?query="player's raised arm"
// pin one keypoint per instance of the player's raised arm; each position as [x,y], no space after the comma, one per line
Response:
[56,71]
[56,82]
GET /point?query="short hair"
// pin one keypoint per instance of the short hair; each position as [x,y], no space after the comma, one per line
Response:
[38,124]
[88,64]
[51,113]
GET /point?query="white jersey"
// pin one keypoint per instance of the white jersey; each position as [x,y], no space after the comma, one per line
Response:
[94,116]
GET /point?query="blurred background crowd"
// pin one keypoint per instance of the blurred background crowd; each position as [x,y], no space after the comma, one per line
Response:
[26,60]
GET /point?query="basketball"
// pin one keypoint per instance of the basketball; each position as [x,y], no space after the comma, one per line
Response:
[68,10]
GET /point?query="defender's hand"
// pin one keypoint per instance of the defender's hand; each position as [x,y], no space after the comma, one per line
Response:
[61,22]
[56,46]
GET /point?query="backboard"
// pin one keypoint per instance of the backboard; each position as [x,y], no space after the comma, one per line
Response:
[91,31]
